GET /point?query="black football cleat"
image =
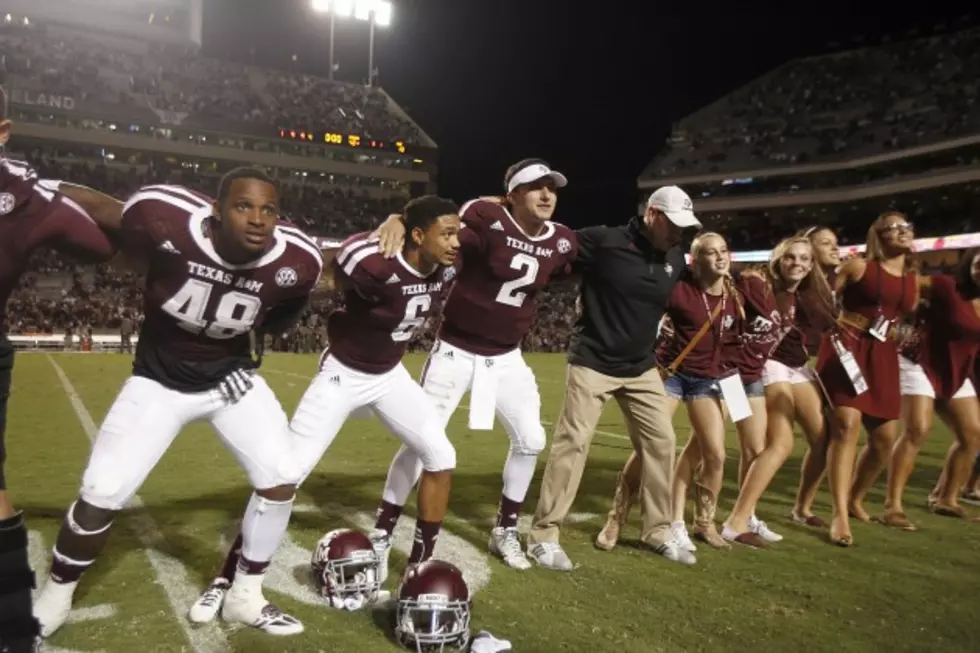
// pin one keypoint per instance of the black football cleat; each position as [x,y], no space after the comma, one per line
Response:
[18,627]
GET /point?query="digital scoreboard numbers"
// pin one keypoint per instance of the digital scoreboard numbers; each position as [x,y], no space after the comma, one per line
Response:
[336,138]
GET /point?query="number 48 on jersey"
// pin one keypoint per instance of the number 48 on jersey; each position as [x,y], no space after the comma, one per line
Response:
[234,315]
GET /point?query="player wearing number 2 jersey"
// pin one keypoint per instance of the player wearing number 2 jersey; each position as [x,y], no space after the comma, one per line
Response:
[511,250]
[216,270]
[385,300]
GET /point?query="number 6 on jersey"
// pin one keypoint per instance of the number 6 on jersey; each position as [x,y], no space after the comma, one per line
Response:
[234,315]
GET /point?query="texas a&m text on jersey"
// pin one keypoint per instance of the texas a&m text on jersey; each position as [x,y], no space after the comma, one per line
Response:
[199,307]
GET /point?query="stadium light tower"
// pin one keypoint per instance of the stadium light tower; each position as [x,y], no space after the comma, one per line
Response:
[377,13]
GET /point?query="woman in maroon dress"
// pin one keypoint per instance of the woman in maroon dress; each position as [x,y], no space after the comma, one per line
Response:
[797,288]
[858,364]
[938,369]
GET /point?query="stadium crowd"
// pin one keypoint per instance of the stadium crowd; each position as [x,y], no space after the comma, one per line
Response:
[177,79]
[822,108]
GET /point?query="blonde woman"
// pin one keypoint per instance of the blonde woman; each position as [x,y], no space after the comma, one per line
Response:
[858,364]
[790,360]
[703,309]
[798,292]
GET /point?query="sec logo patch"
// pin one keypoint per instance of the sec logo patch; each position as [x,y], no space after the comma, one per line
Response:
[286,277]
[7,203]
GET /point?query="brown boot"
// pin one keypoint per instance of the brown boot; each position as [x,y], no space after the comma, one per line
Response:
[622,502]
[704,518]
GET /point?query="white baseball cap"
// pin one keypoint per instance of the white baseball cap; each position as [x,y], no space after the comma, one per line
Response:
[675,204]
[534,172]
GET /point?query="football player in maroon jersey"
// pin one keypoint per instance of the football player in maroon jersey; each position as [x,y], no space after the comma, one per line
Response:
[511,250]
[215,270]
[385,301]
[33,214]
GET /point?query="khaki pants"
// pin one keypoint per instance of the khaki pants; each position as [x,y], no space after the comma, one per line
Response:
[650,427]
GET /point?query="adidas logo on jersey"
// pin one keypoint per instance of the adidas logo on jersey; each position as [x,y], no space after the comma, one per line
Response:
[496,226]
[168,247]
[393,279]
[335,380]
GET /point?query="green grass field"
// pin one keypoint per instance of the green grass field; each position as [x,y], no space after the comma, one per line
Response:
[894,591]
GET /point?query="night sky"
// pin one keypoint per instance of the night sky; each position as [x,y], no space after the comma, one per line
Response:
[591,91]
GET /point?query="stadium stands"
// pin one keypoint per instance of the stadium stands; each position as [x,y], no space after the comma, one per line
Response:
[173,79]
[835,106]
[836,139]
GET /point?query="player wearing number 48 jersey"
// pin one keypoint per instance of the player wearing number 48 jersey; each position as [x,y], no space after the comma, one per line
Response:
[511,250]
[216,270]
[385,301]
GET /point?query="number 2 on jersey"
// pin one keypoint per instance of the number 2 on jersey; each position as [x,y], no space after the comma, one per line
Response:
[234,315]
[415,312]
[510,292]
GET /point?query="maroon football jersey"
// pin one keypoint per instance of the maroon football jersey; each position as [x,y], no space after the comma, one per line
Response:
[385,301]
[199,308]
[762,330]
[803,341]
[32,215]
[491,306]
[689,308]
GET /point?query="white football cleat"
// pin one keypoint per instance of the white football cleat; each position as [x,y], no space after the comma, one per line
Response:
[53,605]
[506,545]
[245,604]
[381,542]
[207,606]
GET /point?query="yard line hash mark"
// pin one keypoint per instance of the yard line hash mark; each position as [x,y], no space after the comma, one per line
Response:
[170,574]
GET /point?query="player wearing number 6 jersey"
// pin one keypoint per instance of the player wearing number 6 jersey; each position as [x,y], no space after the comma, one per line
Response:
[216,270]
[511,250]
[385,301]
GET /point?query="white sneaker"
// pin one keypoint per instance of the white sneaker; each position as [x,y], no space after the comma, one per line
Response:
[675,552]
[381,542]
[53,605]
[759,527]
[550,555]
[506,545]
[244,603]
[206,607]
[678,531]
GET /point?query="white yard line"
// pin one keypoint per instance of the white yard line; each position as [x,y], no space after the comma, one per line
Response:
[170,574]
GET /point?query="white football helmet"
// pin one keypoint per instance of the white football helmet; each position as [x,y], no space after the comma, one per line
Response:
[345,569]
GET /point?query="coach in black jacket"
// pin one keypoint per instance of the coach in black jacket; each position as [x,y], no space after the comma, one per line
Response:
[628,273]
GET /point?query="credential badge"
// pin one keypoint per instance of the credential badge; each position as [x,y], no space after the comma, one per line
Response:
[286,277]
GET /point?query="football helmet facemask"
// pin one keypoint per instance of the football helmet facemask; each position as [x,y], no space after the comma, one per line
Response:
[345,569]
[433,610]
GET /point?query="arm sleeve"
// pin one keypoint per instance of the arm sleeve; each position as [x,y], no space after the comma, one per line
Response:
[72,231]
[141,226]
[588,241]
[360,278]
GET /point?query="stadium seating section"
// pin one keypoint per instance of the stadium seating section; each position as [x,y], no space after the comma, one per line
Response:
[830,107]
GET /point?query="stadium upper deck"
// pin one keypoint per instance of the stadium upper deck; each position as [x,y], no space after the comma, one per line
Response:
[834,108]
[836,139]
[114,97]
